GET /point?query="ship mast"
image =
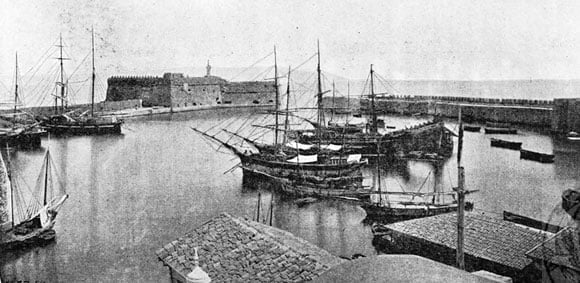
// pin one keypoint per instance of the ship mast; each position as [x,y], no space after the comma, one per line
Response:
[11,186]
[333,104]
[15,92]
[287,106]
[277,97]
[46,176]
[62,84]
[374,114]
[320,121]
[93,75]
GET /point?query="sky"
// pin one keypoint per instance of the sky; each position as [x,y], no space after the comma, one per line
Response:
[404,40]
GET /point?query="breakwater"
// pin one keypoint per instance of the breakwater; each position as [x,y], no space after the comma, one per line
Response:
[555,114]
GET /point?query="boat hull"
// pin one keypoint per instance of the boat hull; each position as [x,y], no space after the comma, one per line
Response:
[505,131]
[471,128]
[37,238]
[25,140]
[80,129]
[536,156]
[506,144]
[389,214]
[348,187]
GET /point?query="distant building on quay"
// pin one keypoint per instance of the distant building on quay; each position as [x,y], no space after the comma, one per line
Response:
[177,90]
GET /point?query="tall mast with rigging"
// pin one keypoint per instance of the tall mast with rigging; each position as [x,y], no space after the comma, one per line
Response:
[320,121]
[93,74]
[277,97]
[287,106]
[15,91]
[373,112]
[333,104]
[61,83]
[460,199]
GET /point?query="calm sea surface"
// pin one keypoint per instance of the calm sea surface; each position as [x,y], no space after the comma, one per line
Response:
[132,194]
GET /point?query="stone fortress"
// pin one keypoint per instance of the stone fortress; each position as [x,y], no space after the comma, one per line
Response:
[176,90]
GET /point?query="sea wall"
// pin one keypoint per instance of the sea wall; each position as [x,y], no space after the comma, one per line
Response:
[516,111]
[103,106]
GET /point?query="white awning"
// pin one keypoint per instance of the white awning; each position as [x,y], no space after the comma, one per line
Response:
[332,147]
[304,159]
[353,158]
[301,146]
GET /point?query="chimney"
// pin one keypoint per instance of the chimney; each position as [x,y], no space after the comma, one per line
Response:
[197,275]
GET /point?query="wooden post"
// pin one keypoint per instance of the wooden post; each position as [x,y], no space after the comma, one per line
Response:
[460,199]
[460,218]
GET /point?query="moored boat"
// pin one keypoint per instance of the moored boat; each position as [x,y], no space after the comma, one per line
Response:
[536,156]
[506,144]
[67,124]
[28,222]
[470,128]
[506,131]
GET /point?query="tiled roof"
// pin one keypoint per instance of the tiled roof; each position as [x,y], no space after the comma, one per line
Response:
[561,249]
[486,237]
[234,249]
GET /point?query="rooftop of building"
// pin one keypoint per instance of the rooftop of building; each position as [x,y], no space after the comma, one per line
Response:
[486,236]
[235,249]
[397,268]
[562,249]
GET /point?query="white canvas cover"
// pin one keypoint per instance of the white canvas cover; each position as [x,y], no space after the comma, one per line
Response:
[44,219]
[353,158]
[5,197]
[332,147]
[301,146]
[304,159]
[357,121]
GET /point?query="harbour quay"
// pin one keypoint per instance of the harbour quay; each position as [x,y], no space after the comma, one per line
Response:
[560,114]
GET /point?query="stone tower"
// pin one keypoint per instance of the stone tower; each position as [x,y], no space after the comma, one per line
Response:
[208,69]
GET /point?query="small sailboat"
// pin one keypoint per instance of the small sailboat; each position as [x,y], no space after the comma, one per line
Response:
[28,219]
[536,156]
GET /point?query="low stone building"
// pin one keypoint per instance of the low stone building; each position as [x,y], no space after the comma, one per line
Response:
[177,90]
[490,243]
[233,249]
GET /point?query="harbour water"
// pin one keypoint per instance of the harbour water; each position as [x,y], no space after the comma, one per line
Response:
[132,194]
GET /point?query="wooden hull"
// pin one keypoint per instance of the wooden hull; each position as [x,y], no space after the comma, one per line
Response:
[536,156]
[301,188]
[471,128]
[84,129]
[389,214]
[37,238]
[26,140]
[506,144]
[285,169]
[507,131]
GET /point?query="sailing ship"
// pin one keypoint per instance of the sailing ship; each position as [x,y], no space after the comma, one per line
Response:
[389,206]
[312,175]
[28,221]
[67,124]
[16,131]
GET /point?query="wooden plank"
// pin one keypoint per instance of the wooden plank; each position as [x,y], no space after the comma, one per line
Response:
[530,222]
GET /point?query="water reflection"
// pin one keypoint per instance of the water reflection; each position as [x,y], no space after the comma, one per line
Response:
[132,194]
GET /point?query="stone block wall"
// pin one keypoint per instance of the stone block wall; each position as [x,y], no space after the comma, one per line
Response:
[151,90]
[566,116]
[244,93]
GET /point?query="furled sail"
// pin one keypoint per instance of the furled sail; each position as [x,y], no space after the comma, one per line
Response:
[293,144]
[304,159]
[5,197]
[331,147]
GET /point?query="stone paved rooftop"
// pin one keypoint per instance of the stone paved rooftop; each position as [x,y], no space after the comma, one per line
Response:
[562,249]
[487,237]
[233,249]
